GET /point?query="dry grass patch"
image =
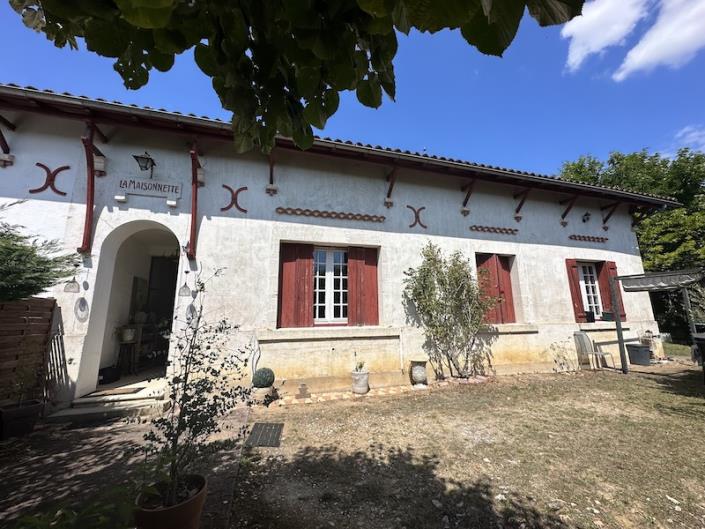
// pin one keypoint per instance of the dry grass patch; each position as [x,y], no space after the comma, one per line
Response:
[571,450]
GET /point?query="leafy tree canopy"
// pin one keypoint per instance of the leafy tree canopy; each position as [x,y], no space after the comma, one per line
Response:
[279,65]
[670,239]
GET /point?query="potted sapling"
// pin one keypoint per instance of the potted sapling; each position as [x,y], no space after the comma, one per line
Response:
[201,391]
[360,379]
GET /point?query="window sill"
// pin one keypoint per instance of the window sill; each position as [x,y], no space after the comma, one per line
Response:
[512,328]
[307,334]
[602,326]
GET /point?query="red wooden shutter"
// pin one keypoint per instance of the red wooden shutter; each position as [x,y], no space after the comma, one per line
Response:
[296,286]
[362,286]
[506,304]
[487,274]
[605,271]
[575,294]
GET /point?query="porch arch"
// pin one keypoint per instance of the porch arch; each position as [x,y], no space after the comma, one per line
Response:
[99,337]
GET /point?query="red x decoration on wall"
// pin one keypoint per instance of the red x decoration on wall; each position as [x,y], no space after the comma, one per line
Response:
[234,198]
[50,181]
[417,216]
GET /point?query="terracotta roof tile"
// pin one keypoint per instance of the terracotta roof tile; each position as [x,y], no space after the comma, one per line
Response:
[435,157]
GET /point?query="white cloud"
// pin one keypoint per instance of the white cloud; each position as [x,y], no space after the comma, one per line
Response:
[604,23]
[673,40]
[692,136]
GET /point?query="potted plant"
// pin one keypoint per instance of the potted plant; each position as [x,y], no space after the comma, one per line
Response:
[19,417]
[360,379]
[262,384]
[200,393]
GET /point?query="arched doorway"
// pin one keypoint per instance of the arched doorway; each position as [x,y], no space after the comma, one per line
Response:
[133,307]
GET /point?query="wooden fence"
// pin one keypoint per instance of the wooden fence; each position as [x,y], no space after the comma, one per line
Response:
[25,330]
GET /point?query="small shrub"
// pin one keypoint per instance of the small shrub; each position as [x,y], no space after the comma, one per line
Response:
[443,298]
[263,378]
[359,367]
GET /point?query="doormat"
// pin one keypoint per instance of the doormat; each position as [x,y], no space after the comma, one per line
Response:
[265,434]
[115,391]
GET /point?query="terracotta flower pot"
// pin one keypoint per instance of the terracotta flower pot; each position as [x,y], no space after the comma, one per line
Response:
[184,515]
[19,419]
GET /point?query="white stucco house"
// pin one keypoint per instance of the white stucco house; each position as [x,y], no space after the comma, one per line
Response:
[314,244]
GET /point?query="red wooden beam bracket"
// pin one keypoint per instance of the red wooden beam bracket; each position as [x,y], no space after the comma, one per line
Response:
[391,179]
[100,134]
[6,158]
[193,232]
[467,189]
[98,156]
[87,140]
[569,203]
[610,209]
[271,188]
[521,195]
[9,124]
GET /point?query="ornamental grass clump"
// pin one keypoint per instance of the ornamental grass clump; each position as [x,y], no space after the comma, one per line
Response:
[443,297]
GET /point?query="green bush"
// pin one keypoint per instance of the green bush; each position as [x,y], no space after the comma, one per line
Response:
[28,266]
[264,377]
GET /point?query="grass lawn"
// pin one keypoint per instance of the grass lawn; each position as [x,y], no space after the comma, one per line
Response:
[676,349]
[589,449]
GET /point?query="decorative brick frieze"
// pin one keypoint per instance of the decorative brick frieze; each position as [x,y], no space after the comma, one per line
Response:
[340,215]
[494,229]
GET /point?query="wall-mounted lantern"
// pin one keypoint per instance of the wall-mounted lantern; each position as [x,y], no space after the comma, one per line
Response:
[185,291]
[146,162]
[72,287]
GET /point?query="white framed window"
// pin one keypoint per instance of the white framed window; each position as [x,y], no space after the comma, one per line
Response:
[330,285]
[590,289]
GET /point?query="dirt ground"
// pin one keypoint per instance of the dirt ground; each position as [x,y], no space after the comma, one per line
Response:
[584,450]
[73,465]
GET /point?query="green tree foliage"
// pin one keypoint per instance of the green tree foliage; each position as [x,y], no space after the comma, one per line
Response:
[443,297]
[29,267]
[670,239]
[279,65]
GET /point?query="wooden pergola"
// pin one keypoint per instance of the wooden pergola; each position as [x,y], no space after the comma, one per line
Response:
[656,282]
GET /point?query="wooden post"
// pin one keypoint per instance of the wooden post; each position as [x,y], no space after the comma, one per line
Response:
[691,324]
[618,321]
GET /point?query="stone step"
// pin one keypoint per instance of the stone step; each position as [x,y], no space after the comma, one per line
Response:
[158,393]
[135,408]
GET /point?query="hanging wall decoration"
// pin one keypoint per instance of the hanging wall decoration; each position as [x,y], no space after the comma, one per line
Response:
[494,229]
[234,194]
[588,238]
[417,216]
[50,180]
[340,215]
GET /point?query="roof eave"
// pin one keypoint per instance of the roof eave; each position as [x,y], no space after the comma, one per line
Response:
[100,111]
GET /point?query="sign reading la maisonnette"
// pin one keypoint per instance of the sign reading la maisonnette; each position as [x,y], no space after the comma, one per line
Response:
[150,188]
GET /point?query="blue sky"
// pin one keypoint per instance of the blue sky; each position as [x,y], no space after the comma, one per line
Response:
[588,88]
